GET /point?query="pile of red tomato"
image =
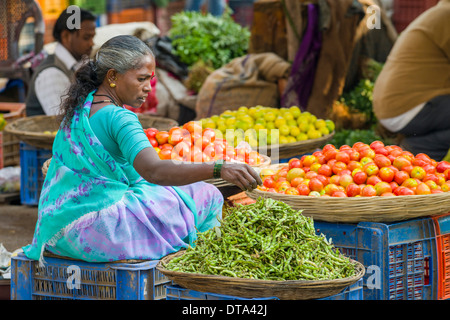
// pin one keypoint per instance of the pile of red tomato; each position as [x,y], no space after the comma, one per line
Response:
[191,142]
[360,170]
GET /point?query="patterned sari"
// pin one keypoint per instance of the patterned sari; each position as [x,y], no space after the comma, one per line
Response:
[95,209]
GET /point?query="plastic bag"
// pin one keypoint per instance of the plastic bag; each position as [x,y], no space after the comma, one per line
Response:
[165,59]
[9,179]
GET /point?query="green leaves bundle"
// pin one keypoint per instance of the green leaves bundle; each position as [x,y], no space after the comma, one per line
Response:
[213,40]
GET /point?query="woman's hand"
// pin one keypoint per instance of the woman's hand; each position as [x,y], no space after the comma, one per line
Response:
[242,175]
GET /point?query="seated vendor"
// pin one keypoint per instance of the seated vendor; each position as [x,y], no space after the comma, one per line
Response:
[412,93]
[107,195]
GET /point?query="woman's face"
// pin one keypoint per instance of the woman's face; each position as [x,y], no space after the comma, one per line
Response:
[133,86]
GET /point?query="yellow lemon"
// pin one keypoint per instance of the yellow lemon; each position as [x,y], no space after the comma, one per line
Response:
[280,121]
[301,137]
[291,139]
[313,134]
[270,125]
[304,126]
[320,123]
[330,125]
[230,122]
[258,126]
[295,111]
[208,123]
[292,123]
[304,117]
[243,109]
[312,118]
[294,131]
[283,140]
[222,128]
[288,116]
[270,116]
[273,138]
[284,130]
[324,131]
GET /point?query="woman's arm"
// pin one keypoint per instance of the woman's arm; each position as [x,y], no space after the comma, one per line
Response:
[176,173]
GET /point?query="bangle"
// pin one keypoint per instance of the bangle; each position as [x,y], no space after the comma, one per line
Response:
[217,168]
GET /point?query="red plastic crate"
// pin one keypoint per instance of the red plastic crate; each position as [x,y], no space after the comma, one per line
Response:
[442,229]
[131,15]
[405,11]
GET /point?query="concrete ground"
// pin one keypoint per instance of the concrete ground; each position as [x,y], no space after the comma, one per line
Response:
[17,224]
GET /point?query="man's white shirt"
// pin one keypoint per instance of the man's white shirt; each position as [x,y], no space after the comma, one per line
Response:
[51,84]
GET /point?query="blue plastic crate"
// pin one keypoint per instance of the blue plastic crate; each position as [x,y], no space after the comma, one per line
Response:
[64,279]
[31,177]
[400,258]
[175,292]
[353,292]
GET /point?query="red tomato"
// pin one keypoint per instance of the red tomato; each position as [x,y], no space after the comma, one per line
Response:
[269,182]
[162,137]
[368,191]
[210,134]
[165,154]
[153,142]
[386,174]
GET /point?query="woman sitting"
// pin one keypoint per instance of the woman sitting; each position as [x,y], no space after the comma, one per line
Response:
[107,196]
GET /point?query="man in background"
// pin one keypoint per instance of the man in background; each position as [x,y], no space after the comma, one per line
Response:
[53,76]
[412,93]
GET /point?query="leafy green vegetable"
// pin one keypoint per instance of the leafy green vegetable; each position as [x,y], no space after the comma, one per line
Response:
[360,99]
[349,137]
[214,40]
[266,240]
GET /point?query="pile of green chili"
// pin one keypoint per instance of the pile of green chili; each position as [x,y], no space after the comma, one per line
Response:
[267,240]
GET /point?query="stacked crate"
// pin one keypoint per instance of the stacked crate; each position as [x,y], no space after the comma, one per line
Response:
[400,258]
[405,11]
[124,11]
[31,177]
[66,279]
[51,9]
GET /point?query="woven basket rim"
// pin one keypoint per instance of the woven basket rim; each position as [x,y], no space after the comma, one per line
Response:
[44,140]
[305,142]
[357,209]
[265,287]
[218,182]
[295,148]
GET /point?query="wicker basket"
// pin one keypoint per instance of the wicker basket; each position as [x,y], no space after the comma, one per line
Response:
[222,183]
[254,288]
[357,209]
[31,129]
[289,150]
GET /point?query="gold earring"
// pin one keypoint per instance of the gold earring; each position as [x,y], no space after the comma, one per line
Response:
[112,85]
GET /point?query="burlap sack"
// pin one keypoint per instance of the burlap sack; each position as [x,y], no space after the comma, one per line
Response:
[245,81]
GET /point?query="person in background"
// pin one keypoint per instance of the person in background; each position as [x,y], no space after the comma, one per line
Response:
[412,93]
[53,76]
[215,7]
[107,195]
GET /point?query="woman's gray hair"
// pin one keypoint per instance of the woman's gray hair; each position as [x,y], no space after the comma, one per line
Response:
[121,53]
